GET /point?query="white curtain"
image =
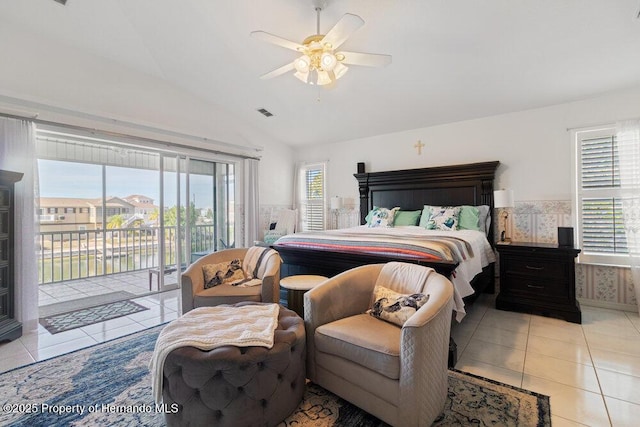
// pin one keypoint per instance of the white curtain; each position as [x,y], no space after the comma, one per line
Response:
[251,201]
[17,154]
[295,197]
[628,139]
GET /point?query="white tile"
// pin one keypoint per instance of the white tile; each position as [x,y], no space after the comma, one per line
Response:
[623,414]
[34,341]
[12,348]
[494,354]
[563,422]
[148,323]
[560,349]
[118,322]
[571,403]
[617,362]
[16,361]
[502,337]
[493,372]
[627,345]
[620,386]
[562,371]
[509,320]
[117,332]
[568,332]
[62,348]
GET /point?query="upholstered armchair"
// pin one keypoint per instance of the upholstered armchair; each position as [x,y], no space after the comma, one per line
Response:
[399,374]
[194,293]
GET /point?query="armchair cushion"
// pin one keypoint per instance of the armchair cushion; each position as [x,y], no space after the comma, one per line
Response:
[222,272]
[363,340]
[395,307]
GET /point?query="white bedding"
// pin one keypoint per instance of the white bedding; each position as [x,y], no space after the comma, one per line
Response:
[468,267]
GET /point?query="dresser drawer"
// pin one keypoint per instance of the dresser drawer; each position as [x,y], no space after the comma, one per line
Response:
[534,286]
[534,267]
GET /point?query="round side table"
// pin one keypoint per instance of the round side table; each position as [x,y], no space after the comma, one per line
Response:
[296,286]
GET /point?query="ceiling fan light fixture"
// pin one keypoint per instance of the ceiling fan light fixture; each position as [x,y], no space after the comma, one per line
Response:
[328,61]
[323,78]
[303,64]
[302,76]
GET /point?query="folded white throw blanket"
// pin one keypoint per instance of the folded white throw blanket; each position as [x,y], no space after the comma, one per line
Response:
[403,277]
[207,328]
[254,265]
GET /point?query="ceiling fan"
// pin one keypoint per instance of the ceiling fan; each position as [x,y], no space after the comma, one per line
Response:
[320,62]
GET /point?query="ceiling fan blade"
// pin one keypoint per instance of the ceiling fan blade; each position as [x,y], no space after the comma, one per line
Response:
[366,59]
[340,32]
[270,38]
[278,71]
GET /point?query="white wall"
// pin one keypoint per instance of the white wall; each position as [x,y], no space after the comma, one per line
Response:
[533,147]
[37,71]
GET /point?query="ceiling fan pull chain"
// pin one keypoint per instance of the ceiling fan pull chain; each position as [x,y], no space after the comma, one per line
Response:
[318,9]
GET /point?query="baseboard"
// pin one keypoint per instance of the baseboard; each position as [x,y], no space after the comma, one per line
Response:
[610,305]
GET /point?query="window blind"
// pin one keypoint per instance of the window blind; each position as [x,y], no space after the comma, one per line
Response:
[312,197]
[600,197]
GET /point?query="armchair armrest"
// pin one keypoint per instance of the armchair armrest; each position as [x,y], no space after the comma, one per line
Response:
[424,349]
[341,296]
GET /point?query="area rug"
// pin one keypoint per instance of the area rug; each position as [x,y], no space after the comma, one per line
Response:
[88,316]
[109,385]
[76,304]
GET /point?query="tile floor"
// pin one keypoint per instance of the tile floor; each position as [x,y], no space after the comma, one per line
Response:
[40,344]
[591,371]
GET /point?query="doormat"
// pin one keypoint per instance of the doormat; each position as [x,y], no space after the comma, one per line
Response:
[80,303]
[88,316]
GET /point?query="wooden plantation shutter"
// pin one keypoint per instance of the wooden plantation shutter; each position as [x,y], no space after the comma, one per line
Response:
[602,234]
[312,196]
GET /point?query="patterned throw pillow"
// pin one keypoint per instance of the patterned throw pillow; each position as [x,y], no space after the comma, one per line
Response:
[223,272]
[394,307]
[382,217]
[443,218]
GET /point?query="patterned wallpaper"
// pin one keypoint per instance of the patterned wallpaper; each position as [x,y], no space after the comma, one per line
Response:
[530,221]
[538,221]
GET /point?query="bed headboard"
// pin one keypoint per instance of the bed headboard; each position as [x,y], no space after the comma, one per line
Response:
[411,189]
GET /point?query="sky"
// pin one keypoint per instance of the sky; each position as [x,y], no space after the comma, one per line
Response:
[80,180]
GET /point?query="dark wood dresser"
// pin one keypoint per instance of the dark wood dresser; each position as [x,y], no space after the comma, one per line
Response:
[539,278]
[10,328]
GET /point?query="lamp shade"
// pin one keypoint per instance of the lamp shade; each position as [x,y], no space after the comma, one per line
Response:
[503,199]
[336,203]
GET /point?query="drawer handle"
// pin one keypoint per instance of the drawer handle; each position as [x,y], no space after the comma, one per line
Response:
[535,286]
[535,268]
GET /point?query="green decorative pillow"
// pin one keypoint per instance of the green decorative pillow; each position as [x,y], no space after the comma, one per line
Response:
[443,218]
[394,307]
[469,218]
[222,272]
[406,218]
[382,217]
[424,217]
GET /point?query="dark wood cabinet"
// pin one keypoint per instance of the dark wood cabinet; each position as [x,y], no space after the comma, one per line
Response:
[10,328]
[539,278]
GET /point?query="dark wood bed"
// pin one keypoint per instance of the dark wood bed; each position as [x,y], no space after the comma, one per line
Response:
[410,189]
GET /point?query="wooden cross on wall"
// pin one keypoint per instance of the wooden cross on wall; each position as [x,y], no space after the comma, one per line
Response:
[419,146]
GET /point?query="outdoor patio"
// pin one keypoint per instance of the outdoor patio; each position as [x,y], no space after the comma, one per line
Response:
[70,295]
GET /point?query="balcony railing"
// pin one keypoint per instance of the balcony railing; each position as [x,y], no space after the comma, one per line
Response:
[68,255]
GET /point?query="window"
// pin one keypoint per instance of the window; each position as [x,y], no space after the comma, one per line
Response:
[311,196]
[599,198]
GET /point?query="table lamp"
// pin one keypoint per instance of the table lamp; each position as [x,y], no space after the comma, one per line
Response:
[503,199]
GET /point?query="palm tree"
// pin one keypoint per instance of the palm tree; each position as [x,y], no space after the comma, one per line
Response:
[115,221]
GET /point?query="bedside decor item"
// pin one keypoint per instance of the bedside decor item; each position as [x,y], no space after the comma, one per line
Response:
[539,278]
[321,64]
[336,205]
[503,200]
[565,236]
[10,328]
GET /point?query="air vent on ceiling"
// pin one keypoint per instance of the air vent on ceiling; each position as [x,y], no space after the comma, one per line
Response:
[62,2]
[264,112]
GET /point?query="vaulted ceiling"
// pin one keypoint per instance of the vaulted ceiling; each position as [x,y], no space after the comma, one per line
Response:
[452,60]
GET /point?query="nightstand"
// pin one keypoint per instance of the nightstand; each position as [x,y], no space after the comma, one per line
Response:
[538,278]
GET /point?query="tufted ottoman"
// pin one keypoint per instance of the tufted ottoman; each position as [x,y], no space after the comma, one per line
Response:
[236,386]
